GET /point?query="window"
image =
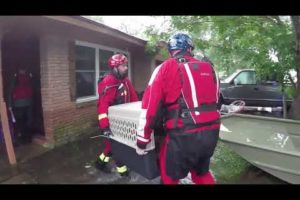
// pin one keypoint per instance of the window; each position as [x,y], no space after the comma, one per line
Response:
[246,77]
[85,71]
[104,55]
[90,64]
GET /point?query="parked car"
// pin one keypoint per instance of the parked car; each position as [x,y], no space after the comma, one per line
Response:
[244,85]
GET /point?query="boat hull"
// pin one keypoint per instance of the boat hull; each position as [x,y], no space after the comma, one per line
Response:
[271,144]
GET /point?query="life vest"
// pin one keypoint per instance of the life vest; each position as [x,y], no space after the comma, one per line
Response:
[23,88]
[122,94]
[199,94]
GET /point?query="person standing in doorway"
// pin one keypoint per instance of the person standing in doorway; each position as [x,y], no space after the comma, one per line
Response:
[20,103]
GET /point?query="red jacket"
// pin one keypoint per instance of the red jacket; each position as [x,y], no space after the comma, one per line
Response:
[113,91]
[23,89]
[163,91]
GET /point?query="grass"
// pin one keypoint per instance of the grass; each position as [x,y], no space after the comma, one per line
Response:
[227,166]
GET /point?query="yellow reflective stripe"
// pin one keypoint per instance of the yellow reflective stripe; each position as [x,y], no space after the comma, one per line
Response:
[101,116]
[122,169]
[104,158]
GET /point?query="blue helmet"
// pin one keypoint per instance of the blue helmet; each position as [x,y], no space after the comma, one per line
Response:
[180,41]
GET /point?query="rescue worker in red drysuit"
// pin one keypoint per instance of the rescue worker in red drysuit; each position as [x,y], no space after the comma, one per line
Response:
[185,92]
[115,88]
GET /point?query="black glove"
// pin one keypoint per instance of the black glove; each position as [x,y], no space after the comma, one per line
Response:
[107,132]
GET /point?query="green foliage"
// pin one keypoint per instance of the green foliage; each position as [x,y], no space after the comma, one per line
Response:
[151,49]
[242,41]
[289,92]
[153,38]
[237,42]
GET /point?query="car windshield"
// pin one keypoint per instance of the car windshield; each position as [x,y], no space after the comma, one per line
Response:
[229,78]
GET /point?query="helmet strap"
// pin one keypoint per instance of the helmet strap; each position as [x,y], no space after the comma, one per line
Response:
[181,53]
[174,52]
[117,74]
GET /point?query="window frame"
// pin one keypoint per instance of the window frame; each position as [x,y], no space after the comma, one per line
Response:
[97,62]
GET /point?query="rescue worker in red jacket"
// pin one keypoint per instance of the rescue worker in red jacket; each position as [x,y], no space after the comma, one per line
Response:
[21,102]
[115,88]
[184,91]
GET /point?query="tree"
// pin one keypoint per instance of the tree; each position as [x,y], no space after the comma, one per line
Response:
[295,111]
[265,43]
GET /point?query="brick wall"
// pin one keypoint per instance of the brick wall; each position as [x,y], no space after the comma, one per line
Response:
[72,123]
[63,119]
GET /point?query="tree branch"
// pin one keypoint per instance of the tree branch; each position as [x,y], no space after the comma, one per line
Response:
[292,81]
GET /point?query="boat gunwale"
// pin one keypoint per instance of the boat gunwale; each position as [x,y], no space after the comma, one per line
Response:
[282,120]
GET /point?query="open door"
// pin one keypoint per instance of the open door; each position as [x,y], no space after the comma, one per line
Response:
[22,50]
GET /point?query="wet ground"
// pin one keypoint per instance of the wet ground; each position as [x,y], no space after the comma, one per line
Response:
[73,164]
[256,176]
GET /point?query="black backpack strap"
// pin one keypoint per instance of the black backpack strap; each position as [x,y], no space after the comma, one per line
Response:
[106,87]
[176,112]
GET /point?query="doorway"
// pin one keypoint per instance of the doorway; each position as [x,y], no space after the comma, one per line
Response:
[22,50]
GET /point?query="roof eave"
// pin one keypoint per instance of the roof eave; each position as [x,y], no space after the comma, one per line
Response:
[98,27]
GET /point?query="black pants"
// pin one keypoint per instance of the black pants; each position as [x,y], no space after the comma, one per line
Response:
[23,117]
[189,151]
